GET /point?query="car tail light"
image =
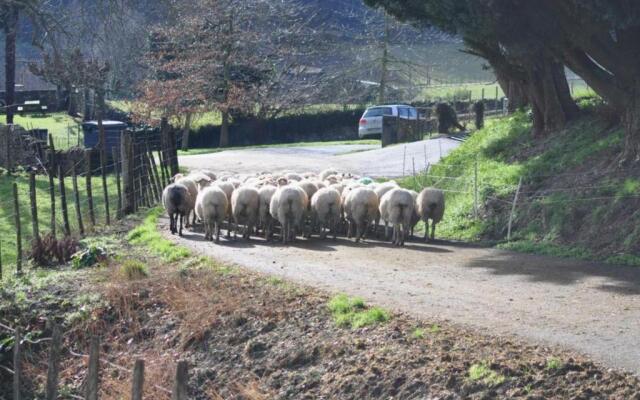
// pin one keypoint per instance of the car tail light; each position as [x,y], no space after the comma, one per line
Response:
[363,121]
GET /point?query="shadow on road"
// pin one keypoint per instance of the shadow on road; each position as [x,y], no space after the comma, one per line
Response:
[618,279]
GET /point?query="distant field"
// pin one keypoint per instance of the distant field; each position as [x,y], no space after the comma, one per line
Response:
[461,91]
[66,131]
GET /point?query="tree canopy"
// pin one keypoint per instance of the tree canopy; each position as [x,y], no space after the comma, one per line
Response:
[529,43]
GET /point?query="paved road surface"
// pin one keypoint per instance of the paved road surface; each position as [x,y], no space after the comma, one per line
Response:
[365,160]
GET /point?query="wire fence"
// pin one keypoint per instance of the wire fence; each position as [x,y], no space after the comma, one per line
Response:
[94,362]
[66,197]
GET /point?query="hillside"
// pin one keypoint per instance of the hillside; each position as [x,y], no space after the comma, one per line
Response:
[350,26]
[574,200]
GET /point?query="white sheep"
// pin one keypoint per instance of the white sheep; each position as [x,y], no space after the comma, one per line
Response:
[430,204]
[208,173]
[327,172]
[264,215]
[361,209]
[326,205]
[177,202]
[397,207]
[292,176]
[245,201]
[211,208]
[288,205]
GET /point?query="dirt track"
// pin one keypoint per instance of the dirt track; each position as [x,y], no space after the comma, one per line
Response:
[588,307]
[591,308]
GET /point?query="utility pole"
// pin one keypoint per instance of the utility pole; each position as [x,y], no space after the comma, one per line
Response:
[384,61]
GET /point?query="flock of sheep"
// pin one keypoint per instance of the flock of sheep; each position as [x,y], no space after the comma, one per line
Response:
[300,204]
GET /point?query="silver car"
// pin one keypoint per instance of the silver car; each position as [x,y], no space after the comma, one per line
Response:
[371,122]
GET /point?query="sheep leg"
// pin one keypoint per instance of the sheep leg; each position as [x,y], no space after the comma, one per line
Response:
[426,230]
[181,218]
[334,228]
[375,227]
[433,230]
[194,218]
[358,231]
[285,231]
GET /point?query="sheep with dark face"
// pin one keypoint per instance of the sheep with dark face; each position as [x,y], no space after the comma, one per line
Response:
[177,201]
[430,204]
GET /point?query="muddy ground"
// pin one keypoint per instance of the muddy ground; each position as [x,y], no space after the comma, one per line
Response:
[250,336]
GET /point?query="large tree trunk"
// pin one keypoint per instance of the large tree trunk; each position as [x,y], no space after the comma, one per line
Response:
[185,132]
[224,130]
[550,96]
[73,103]
[631,121]
[10,31]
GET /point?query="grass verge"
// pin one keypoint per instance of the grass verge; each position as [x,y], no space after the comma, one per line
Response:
[146,234]
[571,185]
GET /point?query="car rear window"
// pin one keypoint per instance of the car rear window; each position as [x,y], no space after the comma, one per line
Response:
[378,112]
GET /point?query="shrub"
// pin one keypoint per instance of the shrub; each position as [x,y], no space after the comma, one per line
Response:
[49,249]
[89,257]
[133,270]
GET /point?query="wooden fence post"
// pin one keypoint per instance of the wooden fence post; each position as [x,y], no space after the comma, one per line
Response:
[105,191]
[52,186]
[17,364]
[126,157]
[63,202]
[165,180]
[116,162]
[154,174]
[16,210]
[513,210]
[34,206]
[92,214]
[137,385]
[180,389]
[54,364]
[475,189]
[76,196]
[94,367]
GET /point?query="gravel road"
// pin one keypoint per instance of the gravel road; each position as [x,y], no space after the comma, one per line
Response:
[365,160]
[587,307]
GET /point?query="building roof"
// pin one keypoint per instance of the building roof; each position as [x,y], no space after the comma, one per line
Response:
[25,80]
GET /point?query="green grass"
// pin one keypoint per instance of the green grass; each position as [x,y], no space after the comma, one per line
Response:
[65,130]
[561,222]
[7,215]
[133,270]
[146,234]
[193,152]
[461,91]
[553,363]
[481,372]
[418,333]
[353,312]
